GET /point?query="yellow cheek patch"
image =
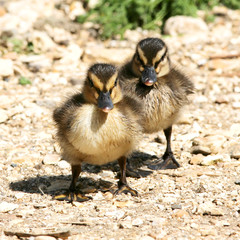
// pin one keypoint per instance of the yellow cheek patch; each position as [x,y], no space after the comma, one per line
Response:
[141,68]
[96,82]
[111,82]
[141,55]
[96,95]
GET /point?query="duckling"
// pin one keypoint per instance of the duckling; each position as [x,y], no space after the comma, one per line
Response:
[97,126]
[151,77]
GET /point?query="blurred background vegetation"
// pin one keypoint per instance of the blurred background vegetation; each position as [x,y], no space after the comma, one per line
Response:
[116,16]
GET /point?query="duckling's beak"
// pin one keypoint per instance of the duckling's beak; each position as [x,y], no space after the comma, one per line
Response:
[149,76]
[105,102]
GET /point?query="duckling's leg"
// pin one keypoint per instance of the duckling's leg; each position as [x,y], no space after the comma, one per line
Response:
[122,184]
[72,194]
[169,161]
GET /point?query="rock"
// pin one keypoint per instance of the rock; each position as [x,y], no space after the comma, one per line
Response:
[70,58]
[44,238]
[176,206]
[200,150]
[6,67]
[185,118]
[234,151]
[236,105]
[211,160]
[179,25]
[209,208]
[223,64]
[214,143]
[37,62]
[180,213]
[3,116]
[76,8]
[63,164]
[51,159]
[235,129]
[41,41]
[196,159]
[110,55]
[208,231]
[7,207]
[137,222]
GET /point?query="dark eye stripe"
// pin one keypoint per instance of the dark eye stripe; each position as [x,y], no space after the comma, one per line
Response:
[161,59]
[90,82]
[140,60]
[164,55]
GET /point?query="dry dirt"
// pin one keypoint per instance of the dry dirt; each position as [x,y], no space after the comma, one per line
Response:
[200,200]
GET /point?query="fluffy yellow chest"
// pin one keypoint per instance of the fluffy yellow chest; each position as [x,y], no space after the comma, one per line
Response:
[100,135]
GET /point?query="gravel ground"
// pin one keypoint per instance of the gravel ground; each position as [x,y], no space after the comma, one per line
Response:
[200,200]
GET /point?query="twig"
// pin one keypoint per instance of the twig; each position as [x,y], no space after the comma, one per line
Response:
[62,234]
[234,55]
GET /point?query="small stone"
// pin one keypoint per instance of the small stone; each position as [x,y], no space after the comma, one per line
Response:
[19,195]
[184,25]
[63,164]
[196,159]
[113,55]
[236,105]
[200,150]
[3,115]
[6,207]
[122,204]
[234,151]
[176,206]
[6,67]
[180,213]
[185,118]
[137,222]
[209,208]
[235,129]
[211,160]
[208,231]
[44,238]
[51,159]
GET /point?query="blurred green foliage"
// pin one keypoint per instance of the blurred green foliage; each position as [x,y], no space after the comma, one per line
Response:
[24,81]
[115,16]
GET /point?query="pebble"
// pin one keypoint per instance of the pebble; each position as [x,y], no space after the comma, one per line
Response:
[184,25]
[63,164]
[211,160]
[137,222]
[234,151]
[235,129]
[44,238]
[51,159]
[176,206]
[3,115]
[110,55]
[6,67]
[180,213]
[209,231]
[7,207]
[209,208]
[200,150]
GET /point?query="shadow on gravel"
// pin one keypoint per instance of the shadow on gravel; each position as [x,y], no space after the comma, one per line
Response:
[54,184]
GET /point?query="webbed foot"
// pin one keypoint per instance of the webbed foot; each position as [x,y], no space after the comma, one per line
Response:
[168,161]
[72,196]
[126,189]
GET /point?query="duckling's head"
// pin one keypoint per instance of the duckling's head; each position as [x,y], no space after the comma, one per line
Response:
[151,60]
[101,86]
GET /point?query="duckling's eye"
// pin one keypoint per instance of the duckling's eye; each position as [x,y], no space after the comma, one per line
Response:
[90,82]
[115,83]
[157,63]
